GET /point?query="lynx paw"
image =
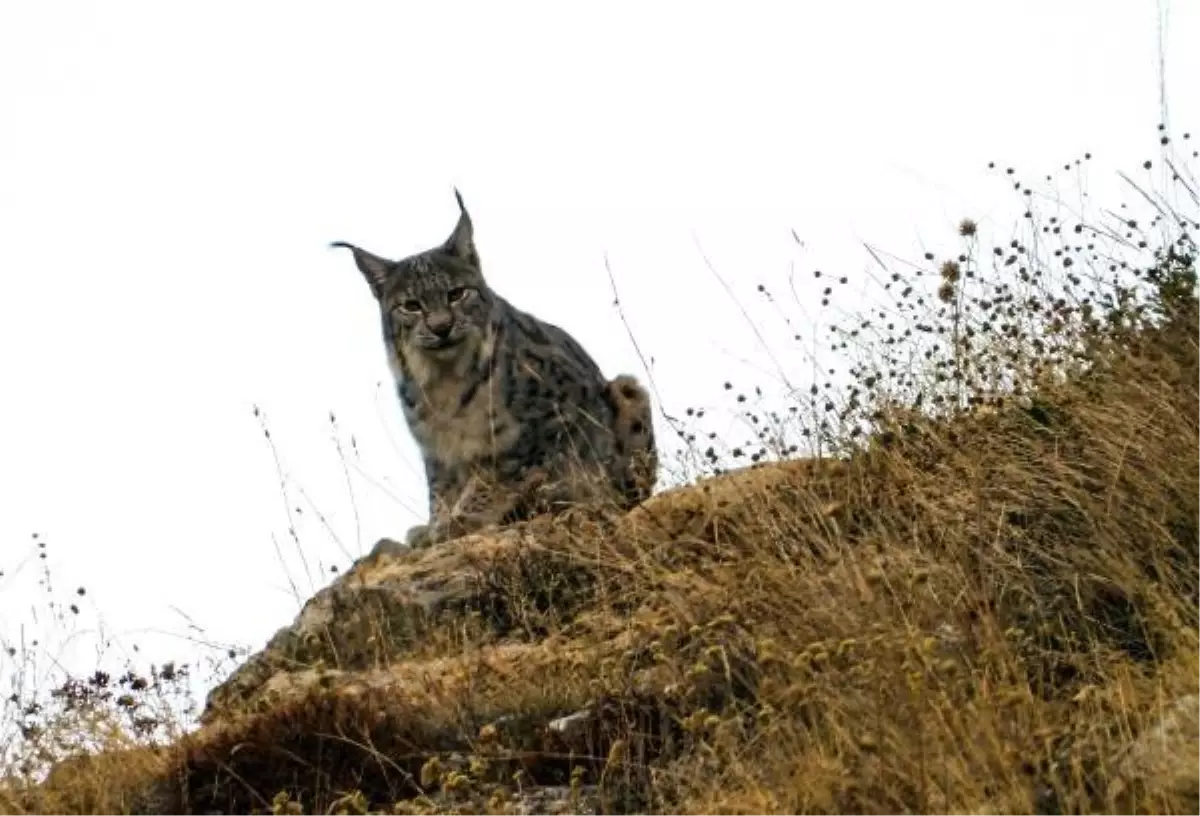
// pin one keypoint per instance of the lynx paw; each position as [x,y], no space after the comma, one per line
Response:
[426,535]
[421,536]
[384,546]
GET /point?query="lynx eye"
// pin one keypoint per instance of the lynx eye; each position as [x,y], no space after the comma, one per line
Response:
[411,305]
[456,294]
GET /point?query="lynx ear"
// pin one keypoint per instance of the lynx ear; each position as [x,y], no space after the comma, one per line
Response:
[375,269]
[461,243]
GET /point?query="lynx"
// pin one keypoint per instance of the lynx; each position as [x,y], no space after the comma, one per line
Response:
[511,415]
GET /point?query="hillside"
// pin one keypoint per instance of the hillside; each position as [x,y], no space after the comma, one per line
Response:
[983,598]
[992,611]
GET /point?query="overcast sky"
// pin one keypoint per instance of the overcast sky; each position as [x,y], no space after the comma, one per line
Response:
[171,175]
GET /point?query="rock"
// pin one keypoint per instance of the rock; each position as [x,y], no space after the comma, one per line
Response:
[490,584]
[569,726]
[388,603]
[557,799]
[1167,754]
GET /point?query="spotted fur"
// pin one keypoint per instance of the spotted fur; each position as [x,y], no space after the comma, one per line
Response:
[636,465]
[511,415]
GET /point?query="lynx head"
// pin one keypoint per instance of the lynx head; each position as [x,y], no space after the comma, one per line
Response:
[436,302]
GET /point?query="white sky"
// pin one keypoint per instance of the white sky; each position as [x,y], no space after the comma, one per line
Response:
[170,177]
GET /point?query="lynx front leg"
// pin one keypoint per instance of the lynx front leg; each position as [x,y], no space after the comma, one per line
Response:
[445,493]
[486,503]
[472,510]
[479,505]
[570,483]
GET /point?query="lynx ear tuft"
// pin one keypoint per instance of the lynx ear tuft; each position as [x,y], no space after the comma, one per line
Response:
[375,269]
[461,243]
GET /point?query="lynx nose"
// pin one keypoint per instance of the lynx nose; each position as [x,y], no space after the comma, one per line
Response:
[440,324]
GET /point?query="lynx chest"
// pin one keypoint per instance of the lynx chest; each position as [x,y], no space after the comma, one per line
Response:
[457,417]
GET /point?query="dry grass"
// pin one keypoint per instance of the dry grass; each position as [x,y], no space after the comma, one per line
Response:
[985,604]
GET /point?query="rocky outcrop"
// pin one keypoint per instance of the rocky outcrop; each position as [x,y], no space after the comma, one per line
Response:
[915,630]
[520,581]
[483,648]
